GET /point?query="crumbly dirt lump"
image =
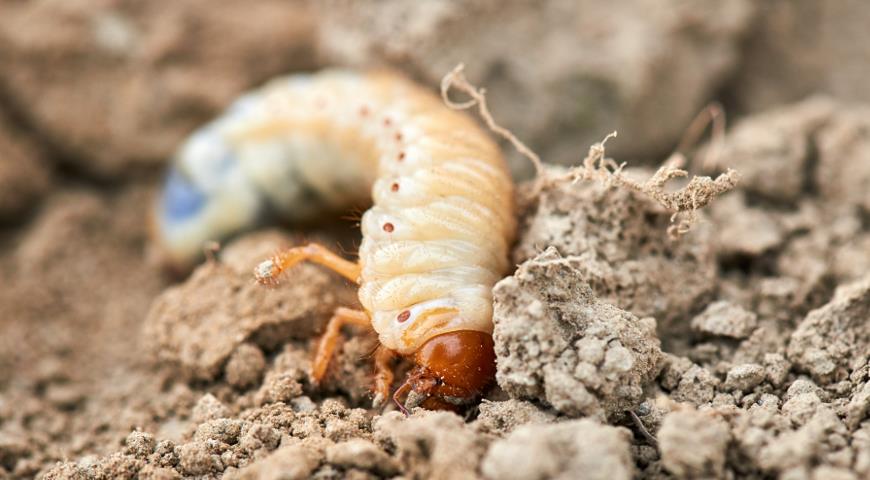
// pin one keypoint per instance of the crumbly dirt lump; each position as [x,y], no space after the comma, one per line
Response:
[774,150]
[199,324]
[803,196]
[694,444]
[617,241]
[565,450]
[432,444]
[501,417]
[724,319]
[834,341]
[817,147]
[558,343]
[253,444]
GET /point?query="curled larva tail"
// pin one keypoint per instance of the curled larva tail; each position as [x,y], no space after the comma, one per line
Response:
[434,242]
[271,156]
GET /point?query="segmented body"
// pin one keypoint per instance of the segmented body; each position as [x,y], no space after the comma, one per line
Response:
[436,238]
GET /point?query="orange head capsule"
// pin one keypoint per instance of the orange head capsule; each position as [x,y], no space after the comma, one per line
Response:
[452,369]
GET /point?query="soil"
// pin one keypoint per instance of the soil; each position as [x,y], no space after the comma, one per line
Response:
[737,349]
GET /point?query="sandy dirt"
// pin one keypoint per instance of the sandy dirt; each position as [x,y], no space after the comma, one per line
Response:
[738,350]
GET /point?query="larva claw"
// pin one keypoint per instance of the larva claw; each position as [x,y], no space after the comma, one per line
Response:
[265,273]
[378,400]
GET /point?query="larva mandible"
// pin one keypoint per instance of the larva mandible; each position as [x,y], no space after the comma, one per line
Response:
[434,242]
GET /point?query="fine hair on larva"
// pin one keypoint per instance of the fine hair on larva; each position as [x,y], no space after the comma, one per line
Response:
[436,238]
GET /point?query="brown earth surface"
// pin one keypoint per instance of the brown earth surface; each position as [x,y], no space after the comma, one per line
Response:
[740,349]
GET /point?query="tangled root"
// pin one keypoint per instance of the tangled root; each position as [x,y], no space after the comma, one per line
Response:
[683,204]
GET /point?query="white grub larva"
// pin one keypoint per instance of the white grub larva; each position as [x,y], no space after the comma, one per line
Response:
[435,240]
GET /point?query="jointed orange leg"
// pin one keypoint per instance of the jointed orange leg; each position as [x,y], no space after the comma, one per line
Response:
[383,375]
[329,340]
[267,273]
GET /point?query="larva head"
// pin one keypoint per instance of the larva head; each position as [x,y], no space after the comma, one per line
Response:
[451,370]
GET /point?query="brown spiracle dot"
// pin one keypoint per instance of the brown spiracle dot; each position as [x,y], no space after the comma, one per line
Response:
[388,227]
[394,187]
[404,316]
[398,137]
[401,156]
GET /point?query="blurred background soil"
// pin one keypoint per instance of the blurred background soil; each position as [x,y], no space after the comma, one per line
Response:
[742,347]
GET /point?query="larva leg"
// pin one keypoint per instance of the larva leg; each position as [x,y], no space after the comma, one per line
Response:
[329,340]
[383,375]
[267,272]
[400,393]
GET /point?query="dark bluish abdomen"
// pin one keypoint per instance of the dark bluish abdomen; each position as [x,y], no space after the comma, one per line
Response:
[181,198]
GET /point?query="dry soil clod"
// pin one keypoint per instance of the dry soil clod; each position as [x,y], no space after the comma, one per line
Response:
[199,324]
[558,343]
